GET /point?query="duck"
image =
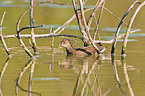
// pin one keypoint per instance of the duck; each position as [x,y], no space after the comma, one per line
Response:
[84,51]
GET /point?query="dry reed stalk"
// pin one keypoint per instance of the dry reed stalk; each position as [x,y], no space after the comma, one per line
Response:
[111,41]
[97,23]
[57,31]
[119,27]
[85,40]
[97,6]
[87,26]
[52,32]
[1,37]
[34,45]
[19,36]
[67,22]
[113,14]
[129,27]
[31,26]
[85,31]
[21,41]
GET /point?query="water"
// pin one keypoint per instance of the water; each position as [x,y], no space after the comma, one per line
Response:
[52,73]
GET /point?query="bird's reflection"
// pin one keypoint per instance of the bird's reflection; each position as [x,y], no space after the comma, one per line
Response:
[87,66]
[87,80]
[72,61]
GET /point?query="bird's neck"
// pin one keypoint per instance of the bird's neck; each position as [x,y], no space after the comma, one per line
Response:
[69,49]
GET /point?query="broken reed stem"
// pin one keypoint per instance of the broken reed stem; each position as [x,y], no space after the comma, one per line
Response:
[43,36]
[64,25]
[18,31]
[111,41]
[23,14]
[58,35]
[52,32]
[83,14]
[77,16]
[86,35]
[2,39]
[97,23]
[113,14]
[55,31]
[129,27]
[24,46]
[34,45]
[21,41]
[79,21]
[85,1]
[2,19]
[97,6]
[119,27]
[67,22]
[28,27]
[88,24]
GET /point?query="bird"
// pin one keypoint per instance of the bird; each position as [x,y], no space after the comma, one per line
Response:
[83,51]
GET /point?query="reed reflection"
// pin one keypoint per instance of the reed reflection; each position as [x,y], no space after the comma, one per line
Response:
[30,63]
[116,75]
[126,76]
[2,73]
[87,80]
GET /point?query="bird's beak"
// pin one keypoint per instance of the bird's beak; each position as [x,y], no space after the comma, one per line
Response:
[60,44]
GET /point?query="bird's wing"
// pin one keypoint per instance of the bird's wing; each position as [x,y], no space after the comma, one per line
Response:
[85,50]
